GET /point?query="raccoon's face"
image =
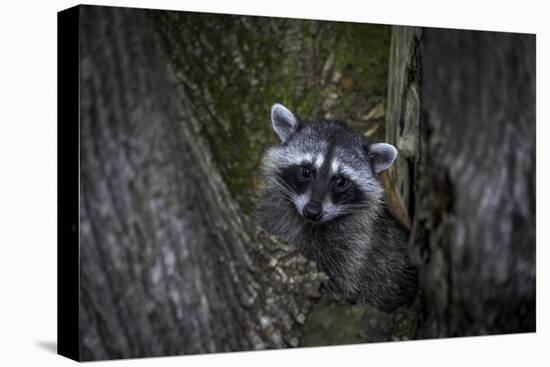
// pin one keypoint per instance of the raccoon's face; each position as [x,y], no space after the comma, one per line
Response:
[324,168]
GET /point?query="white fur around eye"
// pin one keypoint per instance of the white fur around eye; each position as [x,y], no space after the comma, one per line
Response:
[319,160]
[334,166]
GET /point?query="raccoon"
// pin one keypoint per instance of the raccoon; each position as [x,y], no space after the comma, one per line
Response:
[322,194]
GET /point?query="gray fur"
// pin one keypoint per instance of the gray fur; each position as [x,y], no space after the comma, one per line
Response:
[383,155]
[284,122]
[361,247]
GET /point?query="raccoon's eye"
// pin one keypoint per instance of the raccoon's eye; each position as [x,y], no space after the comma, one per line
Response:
[306,172]
[341,183]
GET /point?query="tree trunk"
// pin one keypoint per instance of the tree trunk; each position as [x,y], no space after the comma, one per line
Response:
[474,176]
[403,111]
[169,263]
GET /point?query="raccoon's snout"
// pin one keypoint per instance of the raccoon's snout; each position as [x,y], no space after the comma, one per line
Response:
[313,211]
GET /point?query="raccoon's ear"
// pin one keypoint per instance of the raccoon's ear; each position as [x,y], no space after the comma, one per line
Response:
[284,122]
[381,156]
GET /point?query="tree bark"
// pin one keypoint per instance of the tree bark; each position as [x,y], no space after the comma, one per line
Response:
[169,263]
[403,113]
[475,195]
[233,68]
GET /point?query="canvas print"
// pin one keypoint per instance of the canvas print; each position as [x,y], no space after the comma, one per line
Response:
[237,183]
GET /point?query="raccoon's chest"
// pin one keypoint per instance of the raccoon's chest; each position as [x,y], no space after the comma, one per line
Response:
[328,247]
[339,254]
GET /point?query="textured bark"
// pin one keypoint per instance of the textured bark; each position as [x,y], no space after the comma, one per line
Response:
[403,114]
[169,263]
[475,197]
[234,68]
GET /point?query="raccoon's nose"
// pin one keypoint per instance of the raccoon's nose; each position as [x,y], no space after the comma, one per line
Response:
[313,211]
